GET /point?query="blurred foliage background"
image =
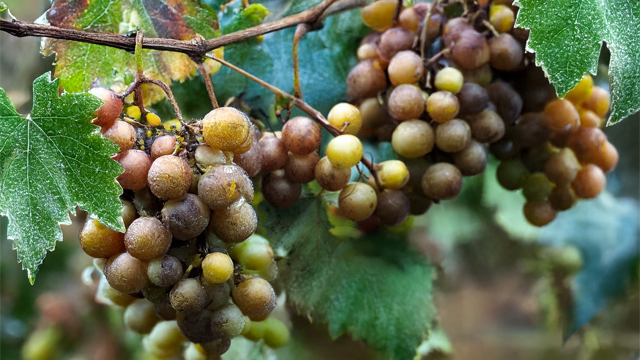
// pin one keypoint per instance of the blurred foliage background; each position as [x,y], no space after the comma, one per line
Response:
[499,293]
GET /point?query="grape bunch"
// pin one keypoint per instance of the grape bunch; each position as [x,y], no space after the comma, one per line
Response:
[189,269]
[448,91]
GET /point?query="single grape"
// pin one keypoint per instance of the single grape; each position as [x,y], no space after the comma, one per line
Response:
[472,98]
[393,207]
[413,138]
[373,114]
[406,67]
[251,161]
[487,126]
[147,238]
[122,134]
[110,109]
[539,213]
[99,241]
[276,333]
[169,177]
[279,191]
[126,273]
[357,201]
[434,24]
[214,349]
[472,160]
[140,317]
[607,158]
[598,102]
[235,223]
[512,174]
[226,128]
[393,41]
[589,119]
[442,106]
[186,218]
[453,136]
[128,212]
[453,30]
[217,267]
[164,271]
[582,91]
[442,181]
[418,203]
[163,145]
[563,197]
[505,148]
[154,293]
[506,53]
[227,320]
[207,156]
[217,294]
[471,50]
[254,330]
[587,143]
[537,187]
[531,130]
[255,297]
[165,339]
[302,135]
[188,295]
[329,177]
[344,151]
[274,153]
[409,20]
[562,116]
[366,80]
[406,102]
[507,101]
[449,79]
[255,253]
[379,14]
[562,167]
[367,52]
[501,18]
[196,325]
[392,174]
[345,117]
[589,182]
[301,168]
[136,166]
[481,76]
[223,185]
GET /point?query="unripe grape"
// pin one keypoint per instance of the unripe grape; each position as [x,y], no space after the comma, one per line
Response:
[188,295]
[301,168]
[563,197]
[235,223]
[562,116]
[393,207]
[207,156]
[442,106]
[406,67]
[589,119]
[126,273]
[562,167]
[501,18]
[453,135]
[217,267]
[598,102]
[471,50]
[99,241]
[254,254]
[169,177]
[227,320]
[226,128]
[301,135]
[472,98]
[379,14]
[107,114]
[392,174]
[254,330]
[487,126]
[344,151]
[507,101]
[449,79]
[472,160]
[345,117]
[274,153]
[136,166]
[506,53]
[589,182]
[537,187]
[279,191]
[186,217]
[122,134]
[196,325]
[582,91]
[607,158]
[140,317]
[413,138]
[366,80]
[163,145]
[442,181]
[106,295]
[164,271]
[329,177]
[406,102]
[587,143]
[165,336]
[512,174]
[539,213]
[223,185]
[276,333]
[255,297]
[357,201]
[393,41]
[146,238]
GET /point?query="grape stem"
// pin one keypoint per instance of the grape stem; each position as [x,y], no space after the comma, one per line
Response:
[301,31]
[208,83]
[299,103]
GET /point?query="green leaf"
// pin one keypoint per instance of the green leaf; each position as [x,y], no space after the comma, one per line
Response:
[246,18]
[78,65]
[605,230]
[567,35]
[376,288]
[52,161]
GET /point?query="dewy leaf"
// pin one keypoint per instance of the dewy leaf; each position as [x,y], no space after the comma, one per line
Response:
[606,231]
[567,35]
[78,65]
[52,161]
[375,288]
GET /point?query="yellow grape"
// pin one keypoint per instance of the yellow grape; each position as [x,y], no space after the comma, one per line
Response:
[344,151]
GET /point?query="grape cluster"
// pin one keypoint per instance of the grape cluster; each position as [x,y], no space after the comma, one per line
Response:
[447,92]
[189,267]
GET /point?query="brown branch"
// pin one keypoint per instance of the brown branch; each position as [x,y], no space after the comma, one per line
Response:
[195,48]
[209,84]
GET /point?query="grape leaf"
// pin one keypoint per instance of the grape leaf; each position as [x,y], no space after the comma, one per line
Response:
[606,231]
[567,35]
[53,160]
[375,288]
[79,64]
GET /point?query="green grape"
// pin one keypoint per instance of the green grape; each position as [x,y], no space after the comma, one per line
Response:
[99,241]
[346,118]
[255,297]
[413,138]
[449,79]
[140,317]
[357,201]
[217,267]
[512,174]
[217,294]
[165,271]
[169,177]
[344,151]
[255,330]
[255,253]
[276,333]
[226,128]
[147,238]
[188,295]
[392,174]
[537,187]
[227,320]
